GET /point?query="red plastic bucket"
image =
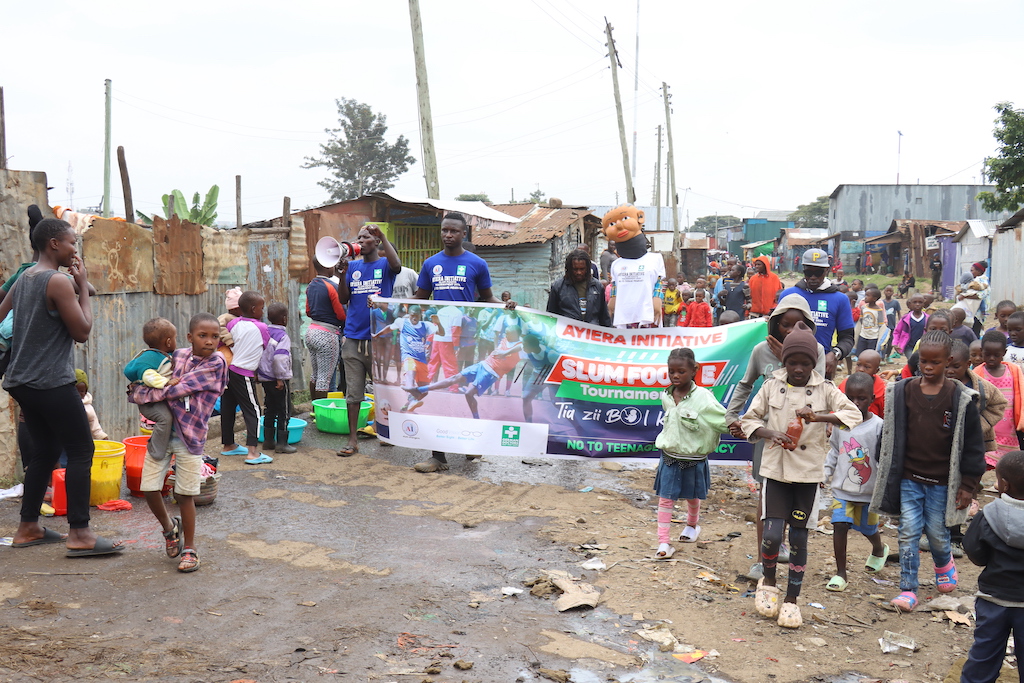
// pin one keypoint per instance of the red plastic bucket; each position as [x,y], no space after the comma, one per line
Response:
[60,494]
[134,455]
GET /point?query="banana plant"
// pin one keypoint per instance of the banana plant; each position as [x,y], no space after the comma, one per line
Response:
[200,214]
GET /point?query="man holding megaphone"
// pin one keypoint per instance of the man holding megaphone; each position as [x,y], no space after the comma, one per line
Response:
[372,275]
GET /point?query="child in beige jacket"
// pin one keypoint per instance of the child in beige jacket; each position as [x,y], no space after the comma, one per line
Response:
[790,412]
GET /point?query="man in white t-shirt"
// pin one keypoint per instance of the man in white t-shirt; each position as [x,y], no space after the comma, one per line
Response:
[636,290]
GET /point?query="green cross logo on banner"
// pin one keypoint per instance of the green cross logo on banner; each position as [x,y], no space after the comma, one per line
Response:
[510,435]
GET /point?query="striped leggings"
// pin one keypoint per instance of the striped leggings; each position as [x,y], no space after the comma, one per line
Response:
[324,346]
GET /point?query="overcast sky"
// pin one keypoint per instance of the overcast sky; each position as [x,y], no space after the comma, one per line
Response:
[774,103]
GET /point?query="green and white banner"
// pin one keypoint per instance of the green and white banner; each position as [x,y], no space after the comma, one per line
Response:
[527,383]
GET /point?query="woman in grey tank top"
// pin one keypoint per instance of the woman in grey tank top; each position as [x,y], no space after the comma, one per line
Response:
[49,317]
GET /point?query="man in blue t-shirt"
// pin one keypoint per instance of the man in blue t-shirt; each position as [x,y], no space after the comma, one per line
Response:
[454,274]
[829,307]
[372,275]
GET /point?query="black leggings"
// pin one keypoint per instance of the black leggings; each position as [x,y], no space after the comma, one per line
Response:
[771,541]
[56,420]
[240,391]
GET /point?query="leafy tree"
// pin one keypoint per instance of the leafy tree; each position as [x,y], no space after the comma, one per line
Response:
[537,197]
[200,214]
[358,157]
[1007,169]
[813,215]
[478,197]
[708,224]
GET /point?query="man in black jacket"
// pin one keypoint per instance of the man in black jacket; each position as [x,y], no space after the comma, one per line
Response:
[579,295]
[995,541]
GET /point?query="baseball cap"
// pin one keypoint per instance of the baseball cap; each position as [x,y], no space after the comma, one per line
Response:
[816,258]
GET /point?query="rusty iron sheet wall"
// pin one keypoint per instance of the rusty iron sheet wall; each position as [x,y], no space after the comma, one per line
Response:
[225,254]
[178,257]
[18,189]
[118,256]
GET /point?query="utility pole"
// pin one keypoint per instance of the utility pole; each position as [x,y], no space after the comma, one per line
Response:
[423,97]
[636,83]
[899,146]
[657,185]
[671,169]
[3,133]
[106,155]
[614,57]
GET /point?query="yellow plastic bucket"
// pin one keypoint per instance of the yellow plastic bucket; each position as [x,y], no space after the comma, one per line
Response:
[107,469]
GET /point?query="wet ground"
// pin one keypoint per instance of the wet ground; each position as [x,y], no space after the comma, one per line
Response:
[311,569]
[359,569]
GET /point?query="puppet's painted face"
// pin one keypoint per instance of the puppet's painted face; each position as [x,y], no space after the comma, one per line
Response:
[623,223]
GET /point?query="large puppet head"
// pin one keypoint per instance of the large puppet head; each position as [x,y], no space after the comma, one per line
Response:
[624,226]
[623,223]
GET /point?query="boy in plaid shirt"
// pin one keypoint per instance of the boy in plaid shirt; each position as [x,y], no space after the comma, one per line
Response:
[202,374]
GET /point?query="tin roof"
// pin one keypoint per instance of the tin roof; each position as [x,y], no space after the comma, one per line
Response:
[537,224]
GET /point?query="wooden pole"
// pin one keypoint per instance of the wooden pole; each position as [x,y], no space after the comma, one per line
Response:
[286,213]
[657,186]
[106,152]
[3,133]
[423,97]
[636,83]
[674,195]
[170,207]
[614,57]
[126,186]
[238,201]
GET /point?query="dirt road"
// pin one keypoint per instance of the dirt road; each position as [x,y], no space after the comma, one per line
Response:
[359,569]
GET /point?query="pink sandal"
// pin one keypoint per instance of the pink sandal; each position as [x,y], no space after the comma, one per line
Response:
[905,601]
[946,579]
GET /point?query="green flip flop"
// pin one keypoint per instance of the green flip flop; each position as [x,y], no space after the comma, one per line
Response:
[837,584]
[875,564]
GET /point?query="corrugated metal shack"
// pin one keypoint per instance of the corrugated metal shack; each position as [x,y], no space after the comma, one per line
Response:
[693,256]
[1007,257]
[527,260]
[911,241]
[411,224]
[867,210]
[174,270]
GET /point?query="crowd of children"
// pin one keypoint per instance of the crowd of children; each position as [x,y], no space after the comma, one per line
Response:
[910,443]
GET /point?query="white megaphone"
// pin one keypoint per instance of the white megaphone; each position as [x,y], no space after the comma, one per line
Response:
[330,251]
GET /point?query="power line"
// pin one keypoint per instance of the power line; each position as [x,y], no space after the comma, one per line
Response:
[959,172]
[219,130]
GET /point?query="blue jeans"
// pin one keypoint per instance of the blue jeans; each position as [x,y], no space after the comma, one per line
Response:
[922,508]
[990,635]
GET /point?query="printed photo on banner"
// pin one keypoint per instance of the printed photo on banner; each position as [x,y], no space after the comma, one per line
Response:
[474,378]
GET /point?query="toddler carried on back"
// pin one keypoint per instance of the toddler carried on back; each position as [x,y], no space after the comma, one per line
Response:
[153,367]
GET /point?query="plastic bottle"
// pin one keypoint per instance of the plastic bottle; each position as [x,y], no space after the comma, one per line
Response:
[60,494]
[794,428]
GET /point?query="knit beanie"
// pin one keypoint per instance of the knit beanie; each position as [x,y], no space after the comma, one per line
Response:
[231,298]
[800,340]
